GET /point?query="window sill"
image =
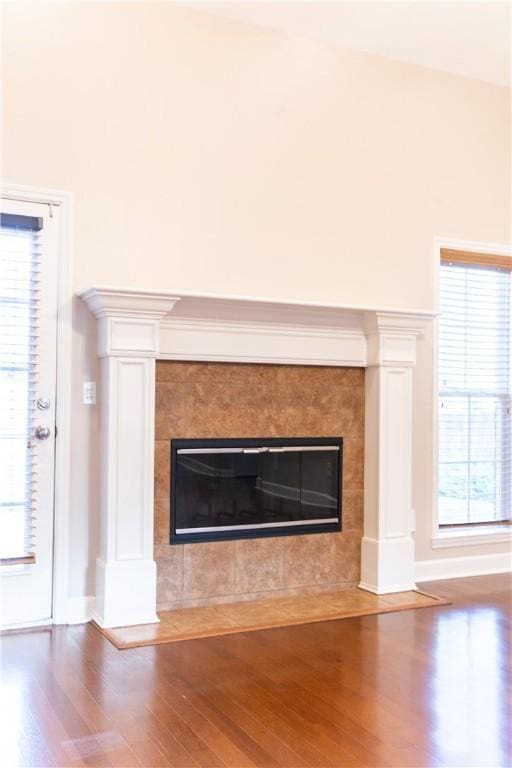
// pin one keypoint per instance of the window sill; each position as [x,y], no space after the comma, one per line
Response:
[472,535]
[15,570]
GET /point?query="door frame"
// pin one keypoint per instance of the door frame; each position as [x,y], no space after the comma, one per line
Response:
[64,201]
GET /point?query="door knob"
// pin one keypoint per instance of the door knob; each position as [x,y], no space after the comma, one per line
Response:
[42,433]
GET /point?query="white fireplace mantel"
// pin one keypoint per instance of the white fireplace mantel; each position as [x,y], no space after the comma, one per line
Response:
[135,328]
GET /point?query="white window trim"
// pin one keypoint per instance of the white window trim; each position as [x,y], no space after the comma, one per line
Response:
[469,534]
[63,403]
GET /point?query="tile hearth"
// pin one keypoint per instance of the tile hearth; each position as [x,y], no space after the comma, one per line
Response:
[230,618]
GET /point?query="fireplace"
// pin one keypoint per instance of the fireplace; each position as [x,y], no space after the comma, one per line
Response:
[138,331]
[248,488]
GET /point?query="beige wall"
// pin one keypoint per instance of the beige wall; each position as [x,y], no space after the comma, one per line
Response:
[210,156]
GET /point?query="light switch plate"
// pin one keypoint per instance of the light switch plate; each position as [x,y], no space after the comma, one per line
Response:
[89,393]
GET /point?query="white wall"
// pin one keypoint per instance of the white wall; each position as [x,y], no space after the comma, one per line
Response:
[211,156]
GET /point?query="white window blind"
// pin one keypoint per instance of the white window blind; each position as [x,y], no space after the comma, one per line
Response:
[19,268]
[474,391]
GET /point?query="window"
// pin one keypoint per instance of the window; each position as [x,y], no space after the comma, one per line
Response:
[18,326]
[474,389]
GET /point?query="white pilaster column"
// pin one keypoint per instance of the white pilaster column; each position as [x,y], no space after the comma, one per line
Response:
[128,344]
[387,550]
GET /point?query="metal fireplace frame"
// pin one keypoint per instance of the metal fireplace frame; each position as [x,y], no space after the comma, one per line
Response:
[254,445]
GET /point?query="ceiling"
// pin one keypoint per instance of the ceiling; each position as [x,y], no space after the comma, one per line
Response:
[465,37]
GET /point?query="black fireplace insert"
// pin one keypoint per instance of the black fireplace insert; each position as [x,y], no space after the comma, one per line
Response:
[246,488]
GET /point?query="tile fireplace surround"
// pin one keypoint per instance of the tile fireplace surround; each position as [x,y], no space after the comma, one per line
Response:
[203,400]
[137,328]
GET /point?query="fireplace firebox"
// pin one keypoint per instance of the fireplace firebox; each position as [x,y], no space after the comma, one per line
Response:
[247,488]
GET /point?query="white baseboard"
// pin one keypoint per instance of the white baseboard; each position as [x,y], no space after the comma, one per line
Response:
[79,609]
[26,625]
[389,590]
[458,567]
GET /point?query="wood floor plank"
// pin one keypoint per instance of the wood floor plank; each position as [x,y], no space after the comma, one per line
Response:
[256,750]
[216,739]
[287,745]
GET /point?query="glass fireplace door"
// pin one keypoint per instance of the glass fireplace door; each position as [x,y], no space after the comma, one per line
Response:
[249,490]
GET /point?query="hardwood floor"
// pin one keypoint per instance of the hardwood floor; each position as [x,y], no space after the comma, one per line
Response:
[415,688]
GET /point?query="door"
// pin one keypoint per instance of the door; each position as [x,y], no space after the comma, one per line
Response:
[28,343]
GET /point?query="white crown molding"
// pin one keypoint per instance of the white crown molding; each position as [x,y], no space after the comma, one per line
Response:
[392,336]
[223,308]
[128,320]
[413,323]
[266,303]
[114,302]
[241,329]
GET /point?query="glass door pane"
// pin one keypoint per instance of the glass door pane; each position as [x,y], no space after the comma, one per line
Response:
[18,311]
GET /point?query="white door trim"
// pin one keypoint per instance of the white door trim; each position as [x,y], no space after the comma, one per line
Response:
[63,402]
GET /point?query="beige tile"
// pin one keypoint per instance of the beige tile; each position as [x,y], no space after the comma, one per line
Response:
[161,521]
[209,569]
[351,411]
[346,556]
[352,600]
[353,463]
[352,510]
[320,377]
[299,608]
[162,469]
[231,374]
[169,572]
[169,553]
[226,412]
[409,598]
[205,409]
[140,634]
[215,600]
[301,591]
[308,559]
[164,608]
[255,613]
[170,407]
[167,370]
[209,619]
[259,564]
